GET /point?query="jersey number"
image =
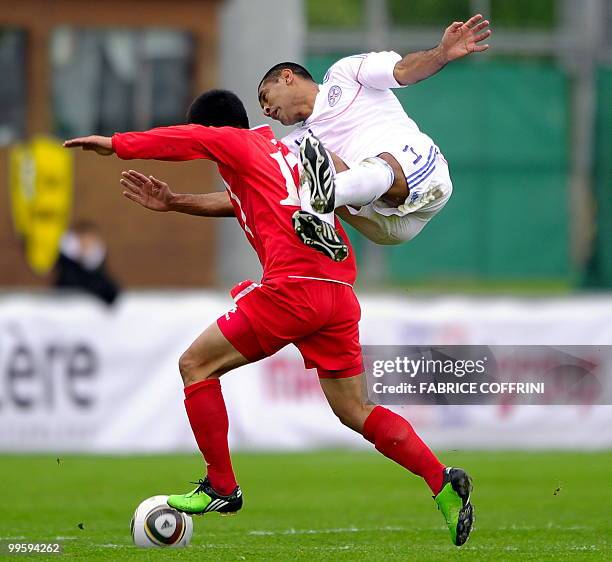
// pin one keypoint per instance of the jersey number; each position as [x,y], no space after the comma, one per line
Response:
[418,156]
[292,199]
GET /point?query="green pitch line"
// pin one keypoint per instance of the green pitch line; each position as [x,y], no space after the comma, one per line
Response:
[328,505]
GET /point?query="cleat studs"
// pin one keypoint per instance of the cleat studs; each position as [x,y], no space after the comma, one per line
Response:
[341,254]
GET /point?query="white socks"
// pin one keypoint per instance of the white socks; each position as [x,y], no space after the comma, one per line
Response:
[363,184]
[359,186]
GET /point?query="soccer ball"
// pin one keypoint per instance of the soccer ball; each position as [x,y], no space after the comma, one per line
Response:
[155,523]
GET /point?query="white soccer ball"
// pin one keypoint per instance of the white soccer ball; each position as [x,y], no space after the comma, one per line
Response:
[155,523]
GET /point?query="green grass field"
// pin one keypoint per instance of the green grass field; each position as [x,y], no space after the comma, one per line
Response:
[328,505]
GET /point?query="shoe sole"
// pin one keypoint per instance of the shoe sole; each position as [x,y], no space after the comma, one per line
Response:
[319,235]
[201,513]
[222,513]
[318,170]
[461,483]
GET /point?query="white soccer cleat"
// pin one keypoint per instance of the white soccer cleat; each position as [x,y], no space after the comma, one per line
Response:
[317,234]
[318,173]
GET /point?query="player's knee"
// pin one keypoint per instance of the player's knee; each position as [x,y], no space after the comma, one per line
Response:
[191,368]
[185,366]
[341,414]
[350,414]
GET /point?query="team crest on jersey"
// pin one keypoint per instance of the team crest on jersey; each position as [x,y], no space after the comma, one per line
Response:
[334,95]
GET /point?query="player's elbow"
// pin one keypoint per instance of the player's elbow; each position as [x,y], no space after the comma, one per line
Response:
[402,74]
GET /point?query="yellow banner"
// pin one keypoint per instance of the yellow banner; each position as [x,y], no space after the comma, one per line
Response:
[41,180]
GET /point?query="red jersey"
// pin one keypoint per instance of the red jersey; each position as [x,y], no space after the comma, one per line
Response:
[261,176]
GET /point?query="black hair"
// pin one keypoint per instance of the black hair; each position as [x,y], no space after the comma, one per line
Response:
[276,70]
[218,108]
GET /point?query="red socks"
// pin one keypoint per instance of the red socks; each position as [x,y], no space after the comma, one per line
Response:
[391,434]
[208,418]
[394,437]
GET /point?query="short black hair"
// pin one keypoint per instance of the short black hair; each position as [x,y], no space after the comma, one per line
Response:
[275,72]
[218,108]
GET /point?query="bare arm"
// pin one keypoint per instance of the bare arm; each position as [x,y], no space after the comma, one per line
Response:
[203,204]
[155,195]
[96,143]
[459,40]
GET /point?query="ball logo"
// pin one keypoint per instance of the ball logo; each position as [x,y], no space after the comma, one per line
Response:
[334,95]
[165,526]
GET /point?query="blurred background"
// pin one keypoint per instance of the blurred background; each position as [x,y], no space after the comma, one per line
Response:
[521,254]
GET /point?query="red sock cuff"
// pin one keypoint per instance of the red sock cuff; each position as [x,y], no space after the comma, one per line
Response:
[196,386]
[372,421]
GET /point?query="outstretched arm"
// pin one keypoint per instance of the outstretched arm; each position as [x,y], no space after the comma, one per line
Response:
[459,39]
[155,195]
[176,143]
[225,145]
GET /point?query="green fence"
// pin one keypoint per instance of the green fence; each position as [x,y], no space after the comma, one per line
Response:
[599,272]
[503,127]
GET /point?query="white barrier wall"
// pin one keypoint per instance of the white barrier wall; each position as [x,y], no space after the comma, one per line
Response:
[76,376]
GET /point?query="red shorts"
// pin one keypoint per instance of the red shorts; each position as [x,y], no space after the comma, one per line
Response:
[321,318]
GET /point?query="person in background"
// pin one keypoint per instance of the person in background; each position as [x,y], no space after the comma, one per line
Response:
[81,263]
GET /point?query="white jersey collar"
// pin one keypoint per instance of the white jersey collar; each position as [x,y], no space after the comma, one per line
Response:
[316,108]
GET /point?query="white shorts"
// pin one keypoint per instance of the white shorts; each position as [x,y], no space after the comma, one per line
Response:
[393,225]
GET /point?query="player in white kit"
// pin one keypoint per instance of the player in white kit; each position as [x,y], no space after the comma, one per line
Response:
[396,178]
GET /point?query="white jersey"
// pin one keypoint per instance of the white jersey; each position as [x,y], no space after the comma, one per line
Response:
[357,116]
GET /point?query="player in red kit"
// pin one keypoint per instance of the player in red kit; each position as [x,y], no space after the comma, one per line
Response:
[303,298]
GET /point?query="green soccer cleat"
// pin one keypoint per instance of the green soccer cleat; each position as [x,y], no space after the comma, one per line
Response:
[454,502]
[204,499]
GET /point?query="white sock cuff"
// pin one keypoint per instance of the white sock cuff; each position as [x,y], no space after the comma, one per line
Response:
[364,183]
[377,160]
